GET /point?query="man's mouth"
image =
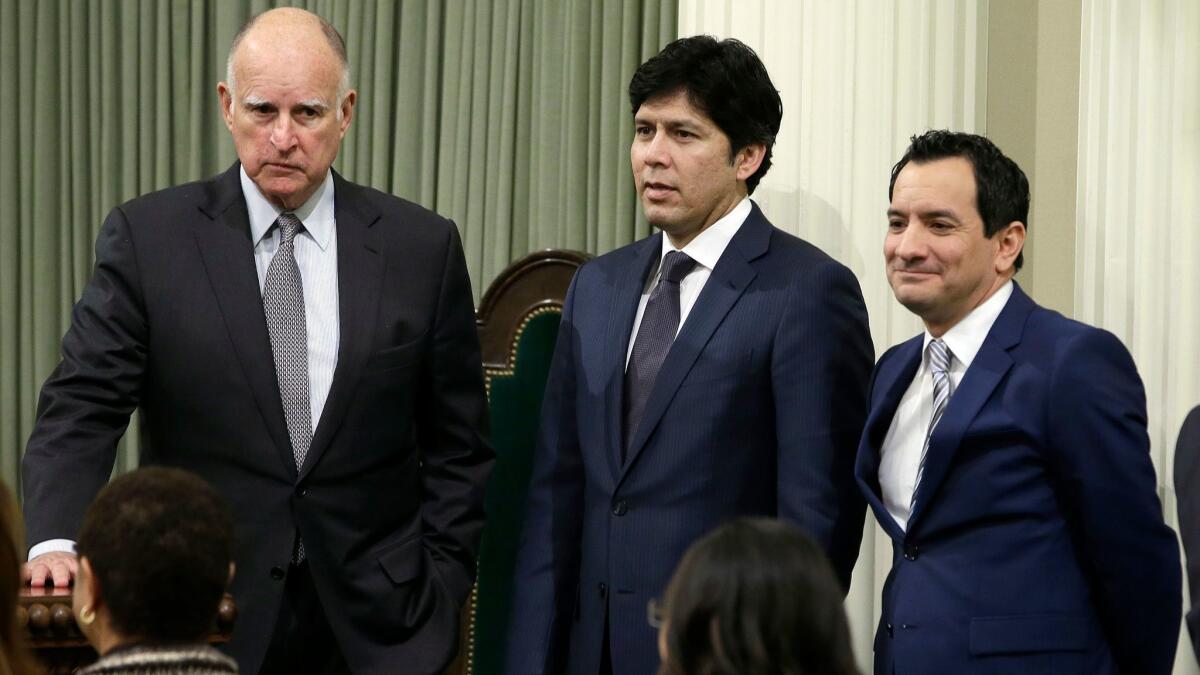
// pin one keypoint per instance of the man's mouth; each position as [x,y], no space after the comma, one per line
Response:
[653,190]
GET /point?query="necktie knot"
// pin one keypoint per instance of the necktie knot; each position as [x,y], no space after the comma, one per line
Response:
[939,357]
[289,225]
[675,266]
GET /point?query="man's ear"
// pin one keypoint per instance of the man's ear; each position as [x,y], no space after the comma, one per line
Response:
[347,110]
[225,95]
[1010,241]
[748,159]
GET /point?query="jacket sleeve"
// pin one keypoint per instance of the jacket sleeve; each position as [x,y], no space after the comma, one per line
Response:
[85,404]
[547,566]
[819,371]
[451,420]
[1098,438]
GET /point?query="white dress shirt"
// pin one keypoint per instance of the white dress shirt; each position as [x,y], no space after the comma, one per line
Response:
[901,452]
[316,256]
[706,250]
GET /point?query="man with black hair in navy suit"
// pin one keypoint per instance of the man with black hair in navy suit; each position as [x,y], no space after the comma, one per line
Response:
[1006,452]
[713,370]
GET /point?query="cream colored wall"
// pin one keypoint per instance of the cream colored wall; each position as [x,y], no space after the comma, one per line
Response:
[1033,116]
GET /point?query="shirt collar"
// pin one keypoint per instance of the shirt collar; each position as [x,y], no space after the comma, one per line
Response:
[966,337]
[316,213]
[707,247]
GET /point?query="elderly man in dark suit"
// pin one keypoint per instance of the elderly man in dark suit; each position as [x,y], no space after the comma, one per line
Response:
[308,346]
[713,370]
[1006,453]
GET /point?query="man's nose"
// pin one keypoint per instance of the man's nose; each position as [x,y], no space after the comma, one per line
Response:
[912,243]
[283,134]
[657,151]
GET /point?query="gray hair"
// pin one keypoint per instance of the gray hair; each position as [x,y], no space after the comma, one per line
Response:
[336,43]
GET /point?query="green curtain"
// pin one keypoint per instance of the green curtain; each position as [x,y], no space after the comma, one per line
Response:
[509,116]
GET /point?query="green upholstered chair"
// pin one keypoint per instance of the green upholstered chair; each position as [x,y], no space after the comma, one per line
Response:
[518,324]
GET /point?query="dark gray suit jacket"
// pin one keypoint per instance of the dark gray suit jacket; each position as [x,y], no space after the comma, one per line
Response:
[389,500]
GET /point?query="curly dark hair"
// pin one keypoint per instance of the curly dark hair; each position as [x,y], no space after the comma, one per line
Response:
[159,541]
[1001,188]
[756,597]
[723,79]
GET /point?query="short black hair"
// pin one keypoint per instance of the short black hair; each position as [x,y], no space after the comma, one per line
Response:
[755,597]
[159,541]
[1001,188]
[723,79]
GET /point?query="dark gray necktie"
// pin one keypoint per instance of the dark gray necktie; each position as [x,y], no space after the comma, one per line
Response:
[660,323]
[283,304]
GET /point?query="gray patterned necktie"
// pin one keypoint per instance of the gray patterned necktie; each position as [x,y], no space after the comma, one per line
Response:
[939,366]
[660,323]
[283,304]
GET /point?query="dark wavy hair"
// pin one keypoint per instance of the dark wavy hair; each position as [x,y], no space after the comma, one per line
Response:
[723,79]
[14,659]
[755,597]
[160,542]
[1001,188]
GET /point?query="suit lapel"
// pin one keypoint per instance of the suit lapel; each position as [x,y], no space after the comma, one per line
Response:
[892,380]
[627,293]
[728,281]
[360,275]
[980,380]
[228,256]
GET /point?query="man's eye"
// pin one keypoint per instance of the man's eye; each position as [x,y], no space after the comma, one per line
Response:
[680,133]
[309,113]
[896,225]
[643,131]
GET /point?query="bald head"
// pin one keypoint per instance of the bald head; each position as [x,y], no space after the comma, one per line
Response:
[287,102]
[300,29]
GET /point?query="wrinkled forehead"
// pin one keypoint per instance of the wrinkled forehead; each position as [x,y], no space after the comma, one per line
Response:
[304,69]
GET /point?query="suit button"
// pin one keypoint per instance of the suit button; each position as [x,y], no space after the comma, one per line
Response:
[602,588]
[620,508]
[889,629]
[911,552]
[302,492]
[277,573]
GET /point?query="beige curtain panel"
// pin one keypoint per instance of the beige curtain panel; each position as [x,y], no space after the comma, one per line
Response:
[509,116]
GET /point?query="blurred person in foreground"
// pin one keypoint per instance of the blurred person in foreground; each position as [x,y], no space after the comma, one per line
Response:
[14,660]
[754,597]
[1006,453]
[154,561]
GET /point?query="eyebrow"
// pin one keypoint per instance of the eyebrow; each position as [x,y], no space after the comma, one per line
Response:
[255,101]
[315,103]
[936,213]
[669,123]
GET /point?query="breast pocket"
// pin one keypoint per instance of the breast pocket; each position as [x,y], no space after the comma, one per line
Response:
[400,356]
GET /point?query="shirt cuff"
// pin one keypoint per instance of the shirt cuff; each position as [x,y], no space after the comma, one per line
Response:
[52,546]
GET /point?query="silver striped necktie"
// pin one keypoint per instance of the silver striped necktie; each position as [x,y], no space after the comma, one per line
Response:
[939,366]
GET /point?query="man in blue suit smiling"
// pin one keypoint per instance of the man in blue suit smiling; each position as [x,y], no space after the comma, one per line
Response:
[716,369]
[1006,452]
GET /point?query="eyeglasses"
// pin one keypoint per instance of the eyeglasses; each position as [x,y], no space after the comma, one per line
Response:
[654,613]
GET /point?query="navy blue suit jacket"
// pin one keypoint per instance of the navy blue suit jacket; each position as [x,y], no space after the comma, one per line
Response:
[1036,543]
[755,411]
